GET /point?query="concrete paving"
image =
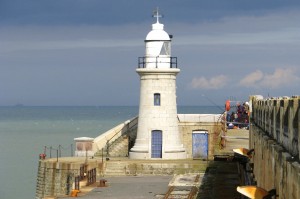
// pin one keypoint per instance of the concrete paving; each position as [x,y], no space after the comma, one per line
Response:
[220,181]
[233,138]
[130,187]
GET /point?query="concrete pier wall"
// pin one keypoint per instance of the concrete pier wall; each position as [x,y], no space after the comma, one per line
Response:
[187,123]
[274,135]
[210,123]
[56,178]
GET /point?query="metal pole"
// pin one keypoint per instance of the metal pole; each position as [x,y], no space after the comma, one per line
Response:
[59,150]
[50,151]
[71,150]
[107,148]
[102,156]
[85,156]
[56,155]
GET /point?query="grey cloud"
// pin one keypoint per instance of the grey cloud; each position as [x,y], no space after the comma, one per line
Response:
[216,82]
[274,28]
[31,38]
[280,78]
[68,55]
[251,79]
[118,12]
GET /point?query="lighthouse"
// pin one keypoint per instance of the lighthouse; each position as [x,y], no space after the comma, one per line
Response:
[158,134]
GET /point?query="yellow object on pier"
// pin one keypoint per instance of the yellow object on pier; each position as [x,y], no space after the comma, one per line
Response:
[252,192]
[74,193]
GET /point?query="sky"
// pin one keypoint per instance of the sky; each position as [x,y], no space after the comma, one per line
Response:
[85,52]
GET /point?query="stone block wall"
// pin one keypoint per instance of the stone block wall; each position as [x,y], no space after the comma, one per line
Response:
[213,135]
[57,178]
[187,123]
[274,136]
[212,123]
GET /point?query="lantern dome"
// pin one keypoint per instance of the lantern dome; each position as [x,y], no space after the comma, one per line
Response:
[157,33]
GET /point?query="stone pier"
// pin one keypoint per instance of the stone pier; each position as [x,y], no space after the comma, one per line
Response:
[56,177]
[274,136]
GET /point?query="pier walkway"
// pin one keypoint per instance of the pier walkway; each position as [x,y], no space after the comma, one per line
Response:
[274,165]
[218,179]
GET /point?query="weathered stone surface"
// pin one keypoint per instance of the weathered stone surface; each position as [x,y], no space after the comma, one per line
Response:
[274,136]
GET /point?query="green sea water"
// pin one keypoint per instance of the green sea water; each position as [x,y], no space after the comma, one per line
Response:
[26,131]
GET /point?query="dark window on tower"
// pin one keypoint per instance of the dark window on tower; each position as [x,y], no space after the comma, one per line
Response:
[156,99]
[165,49]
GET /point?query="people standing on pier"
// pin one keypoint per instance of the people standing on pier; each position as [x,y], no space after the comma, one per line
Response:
[239,117]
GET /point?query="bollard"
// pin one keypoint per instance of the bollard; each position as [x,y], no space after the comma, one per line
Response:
[42,156]
[74,193]
[102,183]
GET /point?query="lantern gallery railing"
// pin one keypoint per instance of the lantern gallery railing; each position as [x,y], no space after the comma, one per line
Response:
[156,61]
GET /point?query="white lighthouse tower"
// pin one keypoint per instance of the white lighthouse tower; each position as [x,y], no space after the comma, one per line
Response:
[158,133]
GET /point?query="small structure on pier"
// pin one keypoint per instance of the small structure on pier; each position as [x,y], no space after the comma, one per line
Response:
[84,146]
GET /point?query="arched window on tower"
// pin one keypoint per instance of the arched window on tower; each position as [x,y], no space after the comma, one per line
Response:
[156,99]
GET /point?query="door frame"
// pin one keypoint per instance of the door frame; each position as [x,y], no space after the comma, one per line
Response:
[160,138]
[205,132]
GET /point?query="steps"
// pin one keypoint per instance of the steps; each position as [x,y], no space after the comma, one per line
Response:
[119,148]
[159,167]
[40,185]
[113,168]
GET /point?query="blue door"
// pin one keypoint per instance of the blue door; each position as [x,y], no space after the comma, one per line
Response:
[200,144]
[156,144]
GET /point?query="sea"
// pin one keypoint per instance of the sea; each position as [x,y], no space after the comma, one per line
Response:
[27,131]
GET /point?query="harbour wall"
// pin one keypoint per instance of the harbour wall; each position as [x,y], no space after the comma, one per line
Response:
[212,124]
[274,136]
[56,176]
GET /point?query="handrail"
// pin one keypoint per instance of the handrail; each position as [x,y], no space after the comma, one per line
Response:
[58,151]
[122,129]
[128,128]
[107,142]
[171,60]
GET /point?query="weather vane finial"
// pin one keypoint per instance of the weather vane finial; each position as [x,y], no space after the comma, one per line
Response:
[157,15]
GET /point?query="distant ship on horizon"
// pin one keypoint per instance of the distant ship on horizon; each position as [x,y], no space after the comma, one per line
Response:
[19,105]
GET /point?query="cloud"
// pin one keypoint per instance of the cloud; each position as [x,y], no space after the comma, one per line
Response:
[251,79]
[230,43]
[216,82]
[26,38]
[279,79]
[271,28]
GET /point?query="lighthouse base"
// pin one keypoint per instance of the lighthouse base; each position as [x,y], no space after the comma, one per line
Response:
[172,155]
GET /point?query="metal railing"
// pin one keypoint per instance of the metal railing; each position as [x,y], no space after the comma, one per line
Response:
[110,142]
[91,176]
[171,60]
[48,152]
